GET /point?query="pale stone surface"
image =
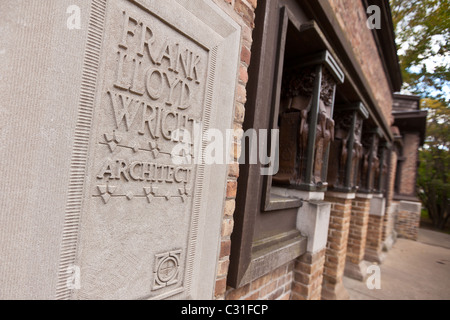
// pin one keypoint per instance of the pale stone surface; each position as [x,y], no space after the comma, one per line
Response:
[391,237]
[372,255]
[91,115]
[365,195]
[390,241]
[341,195]
[40,76]
[338,293]
[304,195]
[377,206]
[313,219]
[410,206]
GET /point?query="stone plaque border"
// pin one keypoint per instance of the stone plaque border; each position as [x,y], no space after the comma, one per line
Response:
[78,163]
[82,143]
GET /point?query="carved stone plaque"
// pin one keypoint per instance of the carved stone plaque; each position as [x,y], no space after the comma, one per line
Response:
[165,68]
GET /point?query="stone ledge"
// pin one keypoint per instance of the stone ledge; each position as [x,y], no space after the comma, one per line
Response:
[341,195]
[356,271]
[374,256]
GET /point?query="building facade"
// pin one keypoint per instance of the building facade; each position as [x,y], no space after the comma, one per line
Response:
[207,149]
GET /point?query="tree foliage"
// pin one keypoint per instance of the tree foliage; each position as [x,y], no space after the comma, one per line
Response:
[422,35]
[434,166]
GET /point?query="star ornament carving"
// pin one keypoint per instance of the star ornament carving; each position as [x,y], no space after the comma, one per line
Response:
[106,192]
[113,140]
[184,157]
[184,193]
[154,148]
[150,192]
[135,147]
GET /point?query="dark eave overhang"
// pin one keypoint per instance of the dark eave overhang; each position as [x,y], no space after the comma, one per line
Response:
[411,121]
[410,97]
[385,40]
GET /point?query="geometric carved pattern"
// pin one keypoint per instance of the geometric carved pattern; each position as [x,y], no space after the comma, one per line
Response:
[106,192]
[166,269]
[115,140]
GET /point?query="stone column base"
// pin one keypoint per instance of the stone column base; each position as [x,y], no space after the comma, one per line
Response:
[308,273]
[356,271]
[374,256]
[408,219]
[390,241]
[335,292]
[312,221]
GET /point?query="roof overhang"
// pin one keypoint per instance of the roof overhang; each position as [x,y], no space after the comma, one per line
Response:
[412,121]
[385,40]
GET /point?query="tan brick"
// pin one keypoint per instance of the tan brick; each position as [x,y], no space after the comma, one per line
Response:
[241,94]
[243,74]
[276,294]
[231,188]
[235,150]
[245,11]
[253,3]
[239,293]
[296,296]
[302,278]
[225,247]
[245,55]
[285,296]
[239,113]
[268,288]
[230,206]
[222,268]
[258,283]
[221,285]
[302,290]
[253,296]
[227,227]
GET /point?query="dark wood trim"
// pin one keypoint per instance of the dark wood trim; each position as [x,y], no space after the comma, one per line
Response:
[405,197]
[269,202]
[414,121]
[273,254]
[246,198]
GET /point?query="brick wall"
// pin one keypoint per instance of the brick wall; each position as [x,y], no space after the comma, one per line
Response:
[358,230]
[411,143]
[336,250]
[275,285]
[407,224]
[374,238]
[243,12]
[408,219]
[351,16]
[308,276]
